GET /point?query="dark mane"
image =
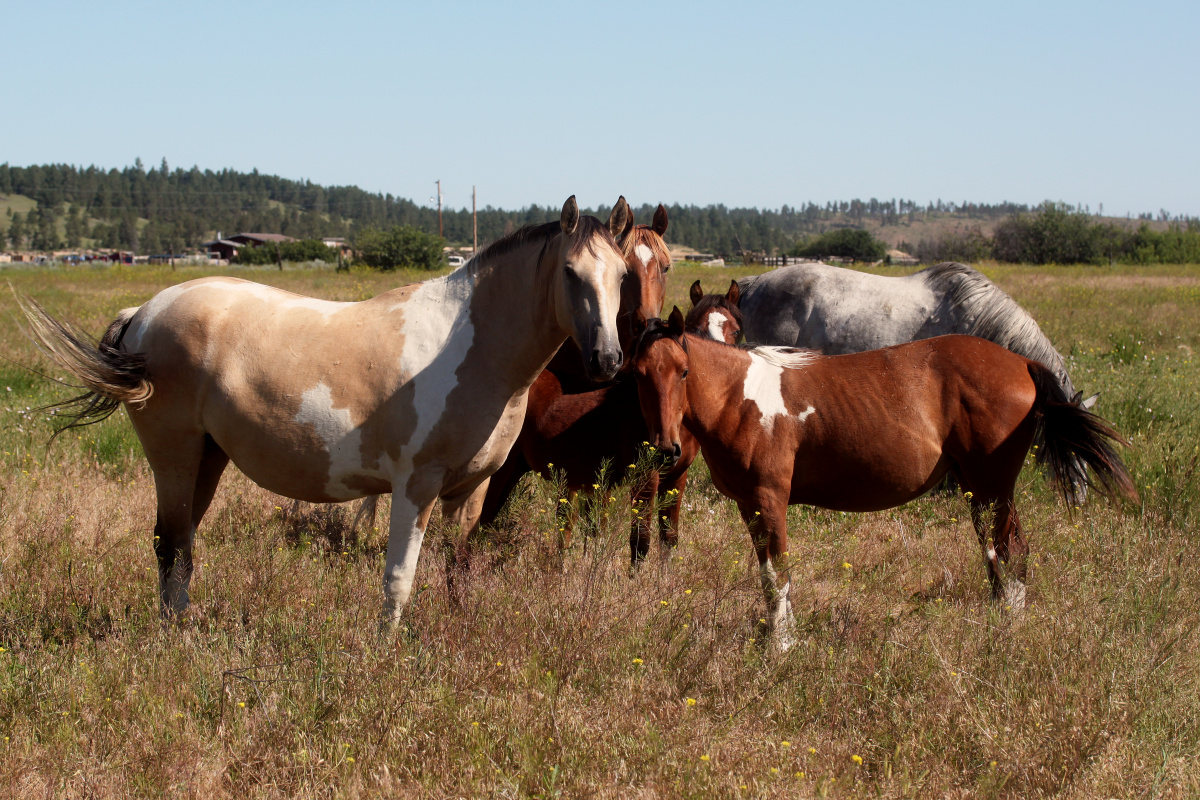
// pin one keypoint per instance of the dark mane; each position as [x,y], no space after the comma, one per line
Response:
[655,329]
[695,317]
[586,234]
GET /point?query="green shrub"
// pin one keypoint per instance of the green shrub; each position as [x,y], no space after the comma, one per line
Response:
[400,246]
[301,250]
[853,243]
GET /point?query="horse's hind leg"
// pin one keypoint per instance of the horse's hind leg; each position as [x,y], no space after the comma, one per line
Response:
[186,473]
[1007,546]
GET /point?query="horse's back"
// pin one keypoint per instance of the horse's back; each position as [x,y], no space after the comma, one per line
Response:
[834,310]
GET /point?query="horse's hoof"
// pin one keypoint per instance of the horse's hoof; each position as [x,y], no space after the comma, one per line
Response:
[1014,596]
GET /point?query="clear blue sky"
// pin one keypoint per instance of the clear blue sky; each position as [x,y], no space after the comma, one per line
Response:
[746,104]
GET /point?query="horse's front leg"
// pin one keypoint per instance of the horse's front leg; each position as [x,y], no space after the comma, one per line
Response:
[407,530]
[766,517]
[462,511]
[641,496]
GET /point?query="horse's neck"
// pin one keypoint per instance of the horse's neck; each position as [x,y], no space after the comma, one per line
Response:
[715,380]
[511,310]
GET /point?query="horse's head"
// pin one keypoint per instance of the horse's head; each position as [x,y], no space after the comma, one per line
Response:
[715,316]
[589,270]
[660,365]
[648,260]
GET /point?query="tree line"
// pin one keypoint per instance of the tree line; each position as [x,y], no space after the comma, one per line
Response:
[164,210]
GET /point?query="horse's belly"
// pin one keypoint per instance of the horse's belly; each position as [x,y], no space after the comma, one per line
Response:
[869,482]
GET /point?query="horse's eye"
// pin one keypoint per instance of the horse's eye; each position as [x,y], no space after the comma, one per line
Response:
[667,268]
[737,333]
[685,372]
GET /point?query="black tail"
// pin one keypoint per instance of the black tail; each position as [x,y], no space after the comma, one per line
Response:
[1070,440]
[109,375]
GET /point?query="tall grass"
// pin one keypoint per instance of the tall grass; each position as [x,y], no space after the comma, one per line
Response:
[573,676]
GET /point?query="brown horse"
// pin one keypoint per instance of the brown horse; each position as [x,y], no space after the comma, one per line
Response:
[418,392]
[578,434]
[869,431]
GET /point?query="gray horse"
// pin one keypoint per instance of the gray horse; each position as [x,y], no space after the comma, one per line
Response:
[837,310]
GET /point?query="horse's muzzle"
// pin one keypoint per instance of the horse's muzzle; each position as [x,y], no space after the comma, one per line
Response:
[603,364]
[670,456]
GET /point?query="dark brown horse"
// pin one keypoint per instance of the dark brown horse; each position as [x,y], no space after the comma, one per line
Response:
[869,431]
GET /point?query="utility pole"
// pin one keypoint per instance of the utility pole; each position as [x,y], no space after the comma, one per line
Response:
[439,185]
[474,225]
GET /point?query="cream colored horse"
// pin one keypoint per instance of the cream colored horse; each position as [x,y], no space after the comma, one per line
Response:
[419,392]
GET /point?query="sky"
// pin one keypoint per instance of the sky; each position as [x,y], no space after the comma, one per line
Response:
[746,104]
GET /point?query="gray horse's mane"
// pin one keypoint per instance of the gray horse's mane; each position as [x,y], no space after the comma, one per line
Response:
[991,314]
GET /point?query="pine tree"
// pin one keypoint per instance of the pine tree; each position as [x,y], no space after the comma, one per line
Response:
[16,231]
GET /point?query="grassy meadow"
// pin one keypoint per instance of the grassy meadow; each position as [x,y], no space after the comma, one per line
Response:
[571,677]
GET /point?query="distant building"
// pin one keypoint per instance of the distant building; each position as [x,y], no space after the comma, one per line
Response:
[227,248]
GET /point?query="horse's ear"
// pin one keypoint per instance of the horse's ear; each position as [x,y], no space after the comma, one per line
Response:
[1089,402]
[696,293]
[659,225]
[628,226]
[639,322]
[675,322]
[734,295]
[620,218]
[570,216]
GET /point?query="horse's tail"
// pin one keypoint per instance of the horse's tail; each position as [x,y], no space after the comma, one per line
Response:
[1070,438]
[109,375]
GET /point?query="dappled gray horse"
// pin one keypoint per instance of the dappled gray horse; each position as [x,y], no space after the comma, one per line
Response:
[836,310]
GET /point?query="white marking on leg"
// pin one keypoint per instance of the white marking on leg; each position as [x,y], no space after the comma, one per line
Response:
[644,253]
[403,553]
[1014,594]
[342,440]
[716,325]
[779,606]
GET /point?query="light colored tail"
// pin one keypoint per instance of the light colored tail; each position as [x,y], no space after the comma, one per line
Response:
[110,375]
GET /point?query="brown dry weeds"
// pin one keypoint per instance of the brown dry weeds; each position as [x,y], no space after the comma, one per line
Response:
[571,677]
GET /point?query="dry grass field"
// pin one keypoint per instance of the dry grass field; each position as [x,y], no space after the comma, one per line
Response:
[571,677]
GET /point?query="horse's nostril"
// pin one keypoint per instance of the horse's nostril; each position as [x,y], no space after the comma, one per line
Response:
[677,451]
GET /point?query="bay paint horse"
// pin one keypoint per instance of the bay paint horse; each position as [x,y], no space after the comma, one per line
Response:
[716,315]
[869,431]
[419,391]
[836,310]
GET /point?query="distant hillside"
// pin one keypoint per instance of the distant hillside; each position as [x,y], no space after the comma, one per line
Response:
[160,209]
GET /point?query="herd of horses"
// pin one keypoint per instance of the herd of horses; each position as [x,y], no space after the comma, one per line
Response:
[854,392]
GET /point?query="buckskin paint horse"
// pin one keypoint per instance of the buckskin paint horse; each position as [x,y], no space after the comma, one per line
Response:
[647,261]
[419,391]
[869,431]
[579,435]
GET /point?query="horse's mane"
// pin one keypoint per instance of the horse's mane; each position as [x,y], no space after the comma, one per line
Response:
[585,236]
[786,357]
[707,303]
[993,315]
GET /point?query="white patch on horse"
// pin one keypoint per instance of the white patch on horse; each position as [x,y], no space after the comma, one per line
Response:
[764,381]
[716,325]
[644,253]
[436,341]
[342,439]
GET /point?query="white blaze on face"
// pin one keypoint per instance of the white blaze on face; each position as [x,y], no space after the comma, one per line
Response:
[644,253]
[336,429]
[716,326]
[607,285]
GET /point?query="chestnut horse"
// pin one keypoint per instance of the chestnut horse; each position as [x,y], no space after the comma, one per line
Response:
[419,391]
[869,431]
[578,434]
